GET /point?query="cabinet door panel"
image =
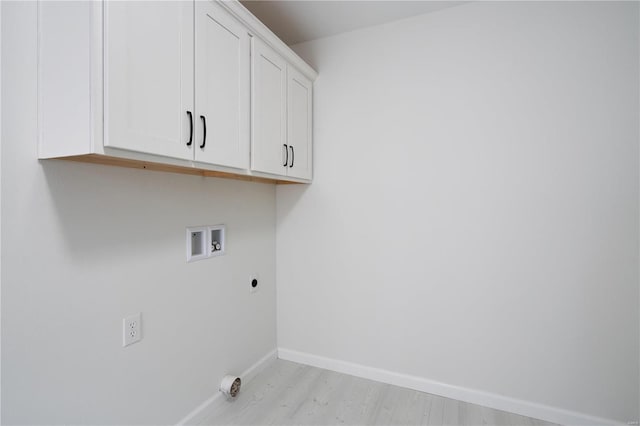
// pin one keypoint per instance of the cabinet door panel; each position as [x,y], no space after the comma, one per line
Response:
[149,76]
[222,87]
[299,90]
[268,134]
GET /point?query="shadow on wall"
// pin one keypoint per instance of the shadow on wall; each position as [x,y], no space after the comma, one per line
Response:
[288,197]
[110,210]
[102,210]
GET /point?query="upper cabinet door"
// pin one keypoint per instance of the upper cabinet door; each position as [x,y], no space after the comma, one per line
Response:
[149,76]
[299,119]
[222,87]
[269,150]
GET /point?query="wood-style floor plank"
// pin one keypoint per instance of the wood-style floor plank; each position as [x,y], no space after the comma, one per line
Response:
[287,393]
[436,414]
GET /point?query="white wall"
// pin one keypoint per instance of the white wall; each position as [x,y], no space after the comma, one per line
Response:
[85,245]
[474,214]
[0,210]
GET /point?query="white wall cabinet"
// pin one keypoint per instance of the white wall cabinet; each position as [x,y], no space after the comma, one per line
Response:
[282,118]
[167,86]
[299,124]
[152,103]
[269,144]
[222,88]
[148,77]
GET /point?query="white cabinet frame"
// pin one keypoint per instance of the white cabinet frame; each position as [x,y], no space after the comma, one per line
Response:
[71,98]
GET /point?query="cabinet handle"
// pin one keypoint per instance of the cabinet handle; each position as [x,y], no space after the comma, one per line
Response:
[286,152]
[190,128]
[293,157]
[204,131]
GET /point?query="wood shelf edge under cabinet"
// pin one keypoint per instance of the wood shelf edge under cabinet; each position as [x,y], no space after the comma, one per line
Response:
[170,168]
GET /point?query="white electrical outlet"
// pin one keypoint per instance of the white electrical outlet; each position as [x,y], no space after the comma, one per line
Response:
[131,329]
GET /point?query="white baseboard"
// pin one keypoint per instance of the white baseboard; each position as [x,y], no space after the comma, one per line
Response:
[246,377]
[487,399]
[256,368]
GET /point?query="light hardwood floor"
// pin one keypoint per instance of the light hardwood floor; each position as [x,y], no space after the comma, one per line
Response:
[287,393]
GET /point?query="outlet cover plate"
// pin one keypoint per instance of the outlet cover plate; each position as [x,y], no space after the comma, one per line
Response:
[131,329]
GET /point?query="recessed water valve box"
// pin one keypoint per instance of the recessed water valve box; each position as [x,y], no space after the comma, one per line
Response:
[197,243]
[216,240]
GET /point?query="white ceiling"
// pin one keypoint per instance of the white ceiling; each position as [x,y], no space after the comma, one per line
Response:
[295,21]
